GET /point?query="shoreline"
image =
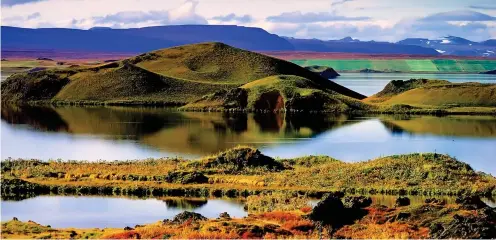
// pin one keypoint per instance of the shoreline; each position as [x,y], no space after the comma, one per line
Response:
[177,106]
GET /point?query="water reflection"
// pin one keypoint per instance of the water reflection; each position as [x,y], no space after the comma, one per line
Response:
[166,130]
[129,133]
[91,212]
[185,203]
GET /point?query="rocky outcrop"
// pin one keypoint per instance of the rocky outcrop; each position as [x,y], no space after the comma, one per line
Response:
[188,216]
[186,177]
[402,201]
[241,159]
[480,225]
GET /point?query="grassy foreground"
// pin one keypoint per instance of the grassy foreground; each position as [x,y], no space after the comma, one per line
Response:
[244,171]
[348,217]
[277,195]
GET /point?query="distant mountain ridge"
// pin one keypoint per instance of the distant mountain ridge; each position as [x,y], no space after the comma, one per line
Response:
[452,45]
[349,45]
[138,40]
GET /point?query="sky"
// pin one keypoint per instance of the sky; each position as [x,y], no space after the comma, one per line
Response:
[380,20]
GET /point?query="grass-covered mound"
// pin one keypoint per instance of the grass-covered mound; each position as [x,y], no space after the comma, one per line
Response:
[435,93]
[239,160]
[41,85]
[279,93]
[323,71]
[396,87]
[119,81]
[244,171]
[175,75]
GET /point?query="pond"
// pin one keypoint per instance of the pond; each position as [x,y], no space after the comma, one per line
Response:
[118,133]
[117,212]
[99,212]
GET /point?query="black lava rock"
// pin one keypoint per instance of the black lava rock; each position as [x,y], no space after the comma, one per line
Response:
[402,201]
[186,216]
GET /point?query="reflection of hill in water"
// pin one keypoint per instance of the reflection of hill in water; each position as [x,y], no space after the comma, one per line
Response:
[180,132]
[459,126]
[185,203]
[39,118]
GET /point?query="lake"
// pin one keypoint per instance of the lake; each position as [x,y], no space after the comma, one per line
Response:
[118,133]
[371,83]
[99,212]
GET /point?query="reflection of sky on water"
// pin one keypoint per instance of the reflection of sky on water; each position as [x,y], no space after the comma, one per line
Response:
[358,141]
[24,143]
[370,139]
[89,212]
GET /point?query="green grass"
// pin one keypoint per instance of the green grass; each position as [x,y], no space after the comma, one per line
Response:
[403,65]
[447,65]
[279,93]
[175,75]
[462,94]
[421,65]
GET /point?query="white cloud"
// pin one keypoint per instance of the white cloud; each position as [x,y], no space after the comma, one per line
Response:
[378,20]
[299,17]
[233,18]
[459,15]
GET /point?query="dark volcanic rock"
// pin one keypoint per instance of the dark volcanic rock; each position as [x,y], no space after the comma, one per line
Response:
[224,215]
[402,201]
[243,158]
[44,59]
[325,72]
[489,72]
[186,177]
[187,216]
[329,211]
[480,225]
[470,202]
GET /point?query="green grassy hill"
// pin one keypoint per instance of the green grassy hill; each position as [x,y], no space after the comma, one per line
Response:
[279,93]
[325,72]
[175,75]
[439,93]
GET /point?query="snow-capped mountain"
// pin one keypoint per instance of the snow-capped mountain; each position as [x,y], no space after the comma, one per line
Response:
[452,45]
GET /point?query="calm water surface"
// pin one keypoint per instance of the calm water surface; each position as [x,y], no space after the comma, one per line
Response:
[100,212]
[112,133]
[92,212]
[371,83]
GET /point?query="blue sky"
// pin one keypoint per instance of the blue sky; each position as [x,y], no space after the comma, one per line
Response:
[386,20]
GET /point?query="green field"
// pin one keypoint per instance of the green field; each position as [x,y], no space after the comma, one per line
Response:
[403,65]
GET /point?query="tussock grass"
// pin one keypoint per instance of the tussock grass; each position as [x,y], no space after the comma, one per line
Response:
[244,171]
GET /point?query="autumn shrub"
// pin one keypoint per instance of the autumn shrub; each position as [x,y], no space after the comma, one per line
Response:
[277,201]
